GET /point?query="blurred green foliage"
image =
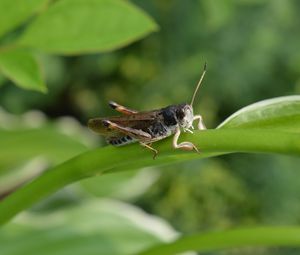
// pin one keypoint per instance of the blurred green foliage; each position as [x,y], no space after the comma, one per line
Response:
[67,233]
[252,51]
[67,27]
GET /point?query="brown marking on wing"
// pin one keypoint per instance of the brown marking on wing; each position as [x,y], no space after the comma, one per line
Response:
[140,121]
[151,115]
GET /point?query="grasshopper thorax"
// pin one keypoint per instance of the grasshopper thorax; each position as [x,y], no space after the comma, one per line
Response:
[181,115]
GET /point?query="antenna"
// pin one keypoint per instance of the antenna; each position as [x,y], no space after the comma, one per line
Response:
[199,83]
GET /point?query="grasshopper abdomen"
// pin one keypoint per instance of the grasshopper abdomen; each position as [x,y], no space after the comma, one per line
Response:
[120,141]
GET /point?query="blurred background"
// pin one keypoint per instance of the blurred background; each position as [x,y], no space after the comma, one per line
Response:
[252,52]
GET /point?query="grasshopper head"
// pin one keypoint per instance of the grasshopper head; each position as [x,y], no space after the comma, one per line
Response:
[181,115]
[185,116]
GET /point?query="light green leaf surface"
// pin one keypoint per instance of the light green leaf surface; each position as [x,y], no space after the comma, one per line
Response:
[29,145]
[20,145]
[84,26]
[110,159]
[13,13]
[124,185]
[94,227]
[22,68]
[279,113]
[236,238]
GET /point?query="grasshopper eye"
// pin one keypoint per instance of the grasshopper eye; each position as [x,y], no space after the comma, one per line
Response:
[180,114]
[105,123]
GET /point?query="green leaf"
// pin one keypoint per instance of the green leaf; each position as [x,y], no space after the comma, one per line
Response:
[21,145]
[244,237]
[121,185]
[22,68]
[84,26]
[29,145]
[111,159]
[94,227]
[278,113]
[13,13]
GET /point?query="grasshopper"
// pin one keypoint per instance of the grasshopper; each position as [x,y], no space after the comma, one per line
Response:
[149,126]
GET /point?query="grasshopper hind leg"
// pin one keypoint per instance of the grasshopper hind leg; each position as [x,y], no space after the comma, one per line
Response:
[130,133]
[121,108]
[135,133]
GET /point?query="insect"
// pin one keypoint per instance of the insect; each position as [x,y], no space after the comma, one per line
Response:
[150,126]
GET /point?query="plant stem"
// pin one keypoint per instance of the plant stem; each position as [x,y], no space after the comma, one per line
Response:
[240,237]
[110,159]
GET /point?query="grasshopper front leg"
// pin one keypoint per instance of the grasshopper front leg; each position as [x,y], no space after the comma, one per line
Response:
[148,146]
[187,146]
[200,125]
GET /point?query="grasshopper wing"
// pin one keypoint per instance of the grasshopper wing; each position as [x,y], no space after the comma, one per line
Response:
[132,127]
